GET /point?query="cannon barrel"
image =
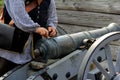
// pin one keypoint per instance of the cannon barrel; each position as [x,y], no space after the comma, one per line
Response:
[63,45]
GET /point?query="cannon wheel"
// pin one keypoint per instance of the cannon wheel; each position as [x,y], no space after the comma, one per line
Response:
[113,70]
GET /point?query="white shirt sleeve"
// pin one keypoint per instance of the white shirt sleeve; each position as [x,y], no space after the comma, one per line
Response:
[16,9]
[52,15]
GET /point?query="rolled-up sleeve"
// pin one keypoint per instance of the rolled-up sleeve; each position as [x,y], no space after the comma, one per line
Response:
[52,15]
[16,9]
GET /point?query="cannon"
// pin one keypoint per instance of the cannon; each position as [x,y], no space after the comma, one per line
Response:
[63,45]
[66,60]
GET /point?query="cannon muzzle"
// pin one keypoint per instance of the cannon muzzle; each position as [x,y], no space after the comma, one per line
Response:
[63,45]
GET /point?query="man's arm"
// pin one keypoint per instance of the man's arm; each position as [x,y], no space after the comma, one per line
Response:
[52,19]
[16,9]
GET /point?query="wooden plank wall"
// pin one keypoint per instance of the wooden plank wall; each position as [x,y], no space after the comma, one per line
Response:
[80,15]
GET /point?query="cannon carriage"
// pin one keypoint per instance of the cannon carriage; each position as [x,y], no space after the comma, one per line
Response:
[70,56]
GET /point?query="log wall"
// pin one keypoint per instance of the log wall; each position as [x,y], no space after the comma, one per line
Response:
[87,14]
[82,15]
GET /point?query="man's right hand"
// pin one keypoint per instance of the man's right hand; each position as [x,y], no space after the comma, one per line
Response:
[42,31]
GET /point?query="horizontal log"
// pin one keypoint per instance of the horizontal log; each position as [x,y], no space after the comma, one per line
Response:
[73,28]
[106,6]
[86,18]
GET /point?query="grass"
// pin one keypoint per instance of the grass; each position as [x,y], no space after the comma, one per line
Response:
[1,3]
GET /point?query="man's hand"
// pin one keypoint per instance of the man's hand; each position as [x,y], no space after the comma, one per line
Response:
[42,31]
[52,31]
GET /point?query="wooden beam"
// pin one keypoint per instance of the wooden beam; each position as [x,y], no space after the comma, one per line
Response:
[74,28]
[105,6]
[87,18]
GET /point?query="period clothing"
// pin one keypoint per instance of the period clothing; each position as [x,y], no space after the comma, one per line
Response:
[43,15]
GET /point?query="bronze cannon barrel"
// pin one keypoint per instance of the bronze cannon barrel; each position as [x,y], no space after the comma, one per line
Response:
[63,45]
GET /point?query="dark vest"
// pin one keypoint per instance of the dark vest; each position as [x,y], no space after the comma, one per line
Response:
[39,15]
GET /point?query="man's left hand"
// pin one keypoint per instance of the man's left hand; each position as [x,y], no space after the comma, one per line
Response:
[52,31]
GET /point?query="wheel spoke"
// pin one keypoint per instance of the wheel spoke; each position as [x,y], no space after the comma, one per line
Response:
[92,55]
[109,60]
[118,62]
[101,69]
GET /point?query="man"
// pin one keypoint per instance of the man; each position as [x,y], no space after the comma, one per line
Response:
[31,19]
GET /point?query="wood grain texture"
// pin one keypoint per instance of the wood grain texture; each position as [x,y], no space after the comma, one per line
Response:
[91,19]
[105,6]
[74,28]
